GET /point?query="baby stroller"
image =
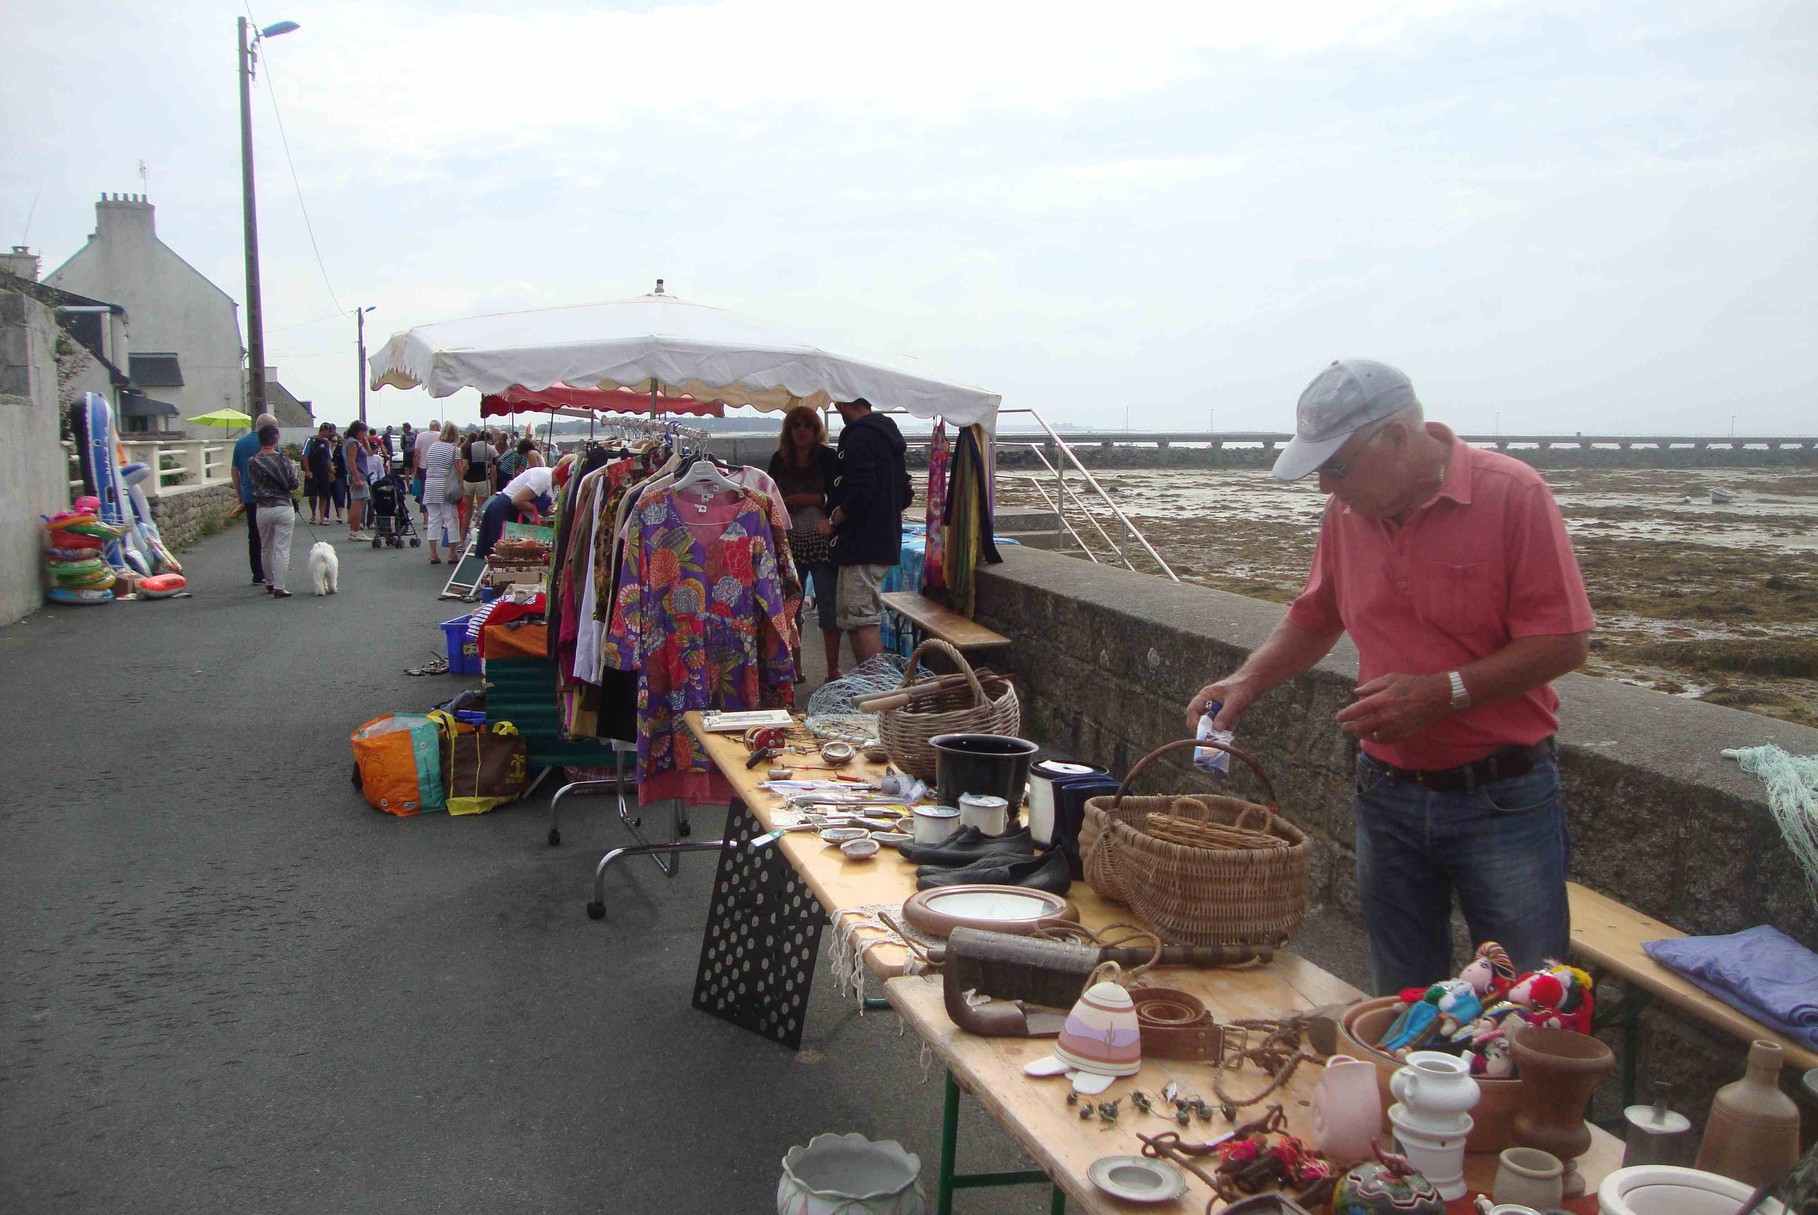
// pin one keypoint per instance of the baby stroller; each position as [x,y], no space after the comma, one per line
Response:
[391,513]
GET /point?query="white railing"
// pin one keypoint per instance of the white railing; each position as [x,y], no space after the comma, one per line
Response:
[181,463]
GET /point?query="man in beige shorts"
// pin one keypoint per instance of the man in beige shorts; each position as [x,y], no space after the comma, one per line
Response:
[871,488]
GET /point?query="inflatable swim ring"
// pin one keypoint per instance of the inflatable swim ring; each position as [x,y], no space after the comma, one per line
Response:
[58,594]
[94,582]
[81,563]
[70,541]
[162,586]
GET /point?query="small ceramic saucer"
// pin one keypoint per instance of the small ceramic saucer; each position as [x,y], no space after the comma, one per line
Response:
[860,849]
[839,835]
[1137,1178]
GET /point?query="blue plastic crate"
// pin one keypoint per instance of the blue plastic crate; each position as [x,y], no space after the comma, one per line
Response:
[463,651]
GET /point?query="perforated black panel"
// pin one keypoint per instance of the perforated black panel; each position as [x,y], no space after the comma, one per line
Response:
[763,934]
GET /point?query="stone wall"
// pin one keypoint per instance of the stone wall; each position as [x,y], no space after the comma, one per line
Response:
[34,477]
[1107,660]
[186,514]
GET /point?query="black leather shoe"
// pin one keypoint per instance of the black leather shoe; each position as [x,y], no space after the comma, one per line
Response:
[1048,871]
[969,844]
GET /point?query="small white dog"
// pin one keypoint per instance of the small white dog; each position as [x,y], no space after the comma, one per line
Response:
[324,568]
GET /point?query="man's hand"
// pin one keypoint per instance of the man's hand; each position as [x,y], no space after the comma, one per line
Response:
[838,516]
[1231,692]
[1390,708]
[823,526]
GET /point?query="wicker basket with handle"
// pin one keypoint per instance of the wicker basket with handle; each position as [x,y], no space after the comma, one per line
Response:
[982,706]
[1241,880]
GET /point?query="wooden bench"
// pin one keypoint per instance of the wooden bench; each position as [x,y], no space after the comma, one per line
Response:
[930,619]
[1607,937]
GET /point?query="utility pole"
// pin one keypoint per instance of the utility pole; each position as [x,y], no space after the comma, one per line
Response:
[255,321]
[360,322]
[255,316]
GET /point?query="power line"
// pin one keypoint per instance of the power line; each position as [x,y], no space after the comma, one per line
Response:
[272,91]
[339,316]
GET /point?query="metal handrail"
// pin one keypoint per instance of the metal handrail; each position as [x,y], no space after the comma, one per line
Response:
[1061,480]
[1066,449]
[1060,515]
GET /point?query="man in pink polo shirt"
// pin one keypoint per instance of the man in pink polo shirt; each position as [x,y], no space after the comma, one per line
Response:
[1451,570]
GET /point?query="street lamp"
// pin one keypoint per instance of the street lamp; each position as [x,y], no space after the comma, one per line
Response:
[255,323]
[360,320]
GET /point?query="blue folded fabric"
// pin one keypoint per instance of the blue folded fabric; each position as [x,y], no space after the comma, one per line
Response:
[1759,971]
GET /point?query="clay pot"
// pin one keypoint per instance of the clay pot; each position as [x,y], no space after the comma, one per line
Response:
[1559,1070]
[1364,1023]
[1529,1177]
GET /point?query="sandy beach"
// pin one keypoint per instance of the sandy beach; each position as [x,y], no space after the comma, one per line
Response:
[1692,599]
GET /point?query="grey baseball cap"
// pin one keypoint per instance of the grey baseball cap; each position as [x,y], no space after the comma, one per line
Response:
[1341,400]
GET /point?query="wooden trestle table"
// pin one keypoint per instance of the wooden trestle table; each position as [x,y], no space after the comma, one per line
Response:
[758,957]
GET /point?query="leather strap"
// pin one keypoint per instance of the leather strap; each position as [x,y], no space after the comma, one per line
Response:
[1175,1024]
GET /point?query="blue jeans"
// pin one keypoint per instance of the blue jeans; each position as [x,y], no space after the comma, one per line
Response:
[1502,846]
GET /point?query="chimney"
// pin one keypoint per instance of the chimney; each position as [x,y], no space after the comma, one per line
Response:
[21,263]
[124,217]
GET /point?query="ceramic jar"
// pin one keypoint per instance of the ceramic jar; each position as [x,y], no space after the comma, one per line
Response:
[1347,1110]
[1752,1133]
[1530,1178]
[1559,1070]
[1437,1089]
[849,1175]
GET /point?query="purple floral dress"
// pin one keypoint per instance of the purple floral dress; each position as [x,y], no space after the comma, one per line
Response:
[703,619]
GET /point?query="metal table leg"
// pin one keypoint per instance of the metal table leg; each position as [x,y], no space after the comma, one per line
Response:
[596,910]
[949,1181]
[616,785]
[762,936]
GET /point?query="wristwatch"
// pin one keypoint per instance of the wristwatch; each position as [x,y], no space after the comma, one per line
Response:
[1461,699]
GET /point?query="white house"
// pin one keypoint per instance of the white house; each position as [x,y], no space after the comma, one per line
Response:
[182,330]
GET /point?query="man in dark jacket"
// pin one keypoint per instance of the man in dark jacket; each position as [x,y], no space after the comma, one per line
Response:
[870,491]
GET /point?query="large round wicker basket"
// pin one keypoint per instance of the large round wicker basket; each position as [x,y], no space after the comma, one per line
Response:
[983,706]
[1199,869]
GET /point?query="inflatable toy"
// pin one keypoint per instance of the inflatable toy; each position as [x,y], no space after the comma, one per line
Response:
[162,586]
[58,594]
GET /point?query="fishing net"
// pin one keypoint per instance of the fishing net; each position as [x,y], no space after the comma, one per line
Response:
[1792,790]
[831,709]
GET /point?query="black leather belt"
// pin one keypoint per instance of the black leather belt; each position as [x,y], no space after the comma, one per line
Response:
[1498,765]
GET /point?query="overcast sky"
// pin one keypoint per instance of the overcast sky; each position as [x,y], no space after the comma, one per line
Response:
[1554,216]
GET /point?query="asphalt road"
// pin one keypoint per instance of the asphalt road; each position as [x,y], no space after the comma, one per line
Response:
[230,985]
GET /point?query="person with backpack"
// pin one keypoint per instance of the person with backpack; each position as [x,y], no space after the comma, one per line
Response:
[318,472]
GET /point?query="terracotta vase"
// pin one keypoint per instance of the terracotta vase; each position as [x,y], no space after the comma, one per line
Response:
[1347,1110]
[1559,1070]
[1752,1134]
